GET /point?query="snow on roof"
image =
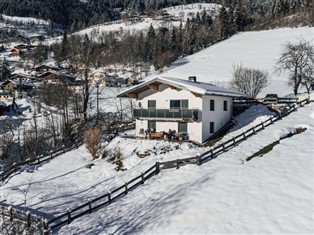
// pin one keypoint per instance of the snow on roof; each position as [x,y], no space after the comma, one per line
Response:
[201,88]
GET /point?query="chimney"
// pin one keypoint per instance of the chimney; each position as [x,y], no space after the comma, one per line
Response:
[192,78]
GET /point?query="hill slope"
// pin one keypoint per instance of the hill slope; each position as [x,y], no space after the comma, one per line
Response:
[258,50]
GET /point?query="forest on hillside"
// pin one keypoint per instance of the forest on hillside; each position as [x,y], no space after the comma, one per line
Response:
[77,14]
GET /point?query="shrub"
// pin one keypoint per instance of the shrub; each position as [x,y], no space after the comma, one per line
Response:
[92,139]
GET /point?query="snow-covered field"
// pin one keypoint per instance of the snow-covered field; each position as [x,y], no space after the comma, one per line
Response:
[259,50]
[272,194]
[25,20]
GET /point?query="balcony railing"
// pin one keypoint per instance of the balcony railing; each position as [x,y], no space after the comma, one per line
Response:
[166,113]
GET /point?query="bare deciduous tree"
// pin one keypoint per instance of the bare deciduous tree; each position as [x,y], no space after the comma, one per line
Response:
[296,58]
[249,81]
[92,139]
[308,78]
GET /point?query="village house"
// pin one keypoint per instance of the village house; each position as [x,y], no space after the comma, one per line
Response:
[15,52]
[97,76]
[194,109]
[45,68]
[10,85]
[51,77]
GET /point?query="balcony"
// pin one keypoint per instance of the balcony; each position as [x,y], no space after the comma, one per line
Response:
[164,114]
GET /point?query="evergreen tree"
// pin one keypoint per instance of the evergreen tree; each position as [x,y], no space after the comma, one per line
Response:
[4,71]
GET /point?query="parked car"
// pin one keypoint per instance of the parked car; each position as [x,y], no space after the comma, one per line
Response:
[271,98]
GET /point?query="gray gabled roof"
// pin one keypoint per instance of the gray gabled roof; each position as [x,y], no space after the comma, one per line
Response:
[200,88]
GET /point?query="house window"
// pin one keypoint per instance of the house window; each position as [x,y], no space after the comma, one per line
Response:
[141,132]
[182,127]
[151,104]
[179,104]
[212,105]
[211,127]
[151,125]
[225,105]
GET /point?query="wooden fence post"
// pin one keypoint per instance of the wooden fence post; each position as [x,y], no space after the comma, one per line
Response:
[11,213]
[28,219]
[177,162]
[223,147]
[234,141]
[254,132]
[69,216]
[109,197]
[244,137]
[198,159]
[263,127]
[211,152]
[46,228]
[63,148]
[126,187]
[51,154]
[89,206]
[157,164]
[142,176]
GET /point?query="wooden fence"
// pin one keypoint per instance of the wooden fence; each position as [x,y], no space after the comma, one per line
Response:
[52,154]
[110,197]
[31,222]
[103,200]
[40,159]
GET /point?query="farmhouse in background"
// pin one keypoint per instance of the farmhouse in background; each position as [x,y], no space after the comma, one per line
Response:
[11,85]
[196,109]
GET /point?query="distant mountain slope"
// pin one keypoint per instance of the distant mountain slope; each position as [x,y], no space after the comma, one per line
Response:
[258,50]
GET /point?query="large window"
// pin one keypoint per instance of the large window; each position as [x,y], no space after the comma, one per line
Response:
[225,105]
[151,125]
[182,127]
[179,104]
[151,104]
[212,105]
[211,127]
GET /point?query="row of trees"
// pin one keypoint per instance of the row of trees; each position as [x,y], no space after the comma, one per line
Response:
[76,14]
[297,59]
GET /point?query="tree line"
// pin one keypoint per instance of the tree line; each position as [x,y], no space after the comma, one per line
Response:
[75,14]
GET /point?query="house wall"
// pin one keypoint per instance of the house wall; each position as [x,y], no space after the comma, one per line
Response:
[163,96]
[218,116]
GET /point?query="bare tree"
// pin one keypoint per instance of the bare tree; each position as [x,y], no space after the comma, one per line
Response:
[308,78]
[92,139]
[83,55]
[296,58]
[249,81]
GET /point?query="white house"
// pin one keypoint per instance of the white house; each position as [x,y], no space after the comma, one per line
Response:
[195,108]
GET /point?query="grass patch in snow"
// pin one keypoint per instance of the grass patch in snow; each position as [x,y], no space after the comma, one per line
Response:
[270,147]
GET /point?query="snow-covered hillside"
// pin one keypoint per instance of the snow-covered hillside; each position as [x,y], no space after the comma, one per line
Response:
[181,13]
[258,50]
[25,20]
[268,195]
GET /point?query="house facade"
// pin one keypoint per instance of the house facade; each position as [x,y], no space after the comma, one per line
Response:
[193,108]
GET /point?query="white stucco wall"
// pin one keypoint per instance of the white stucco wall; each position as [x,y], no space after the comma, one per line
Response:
[218,116]
[198,131]
[163,97]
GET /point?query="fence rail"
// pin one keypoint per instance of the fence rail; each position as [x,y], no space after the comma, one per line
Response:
[40,159]
[30,221]
[112,196]
[104,199]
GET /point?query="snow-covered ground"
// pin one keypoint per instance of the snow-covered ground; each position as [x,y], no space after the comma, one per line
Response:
[268,195]
[25,20]
[259,50]
[182,12]
[272,194]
